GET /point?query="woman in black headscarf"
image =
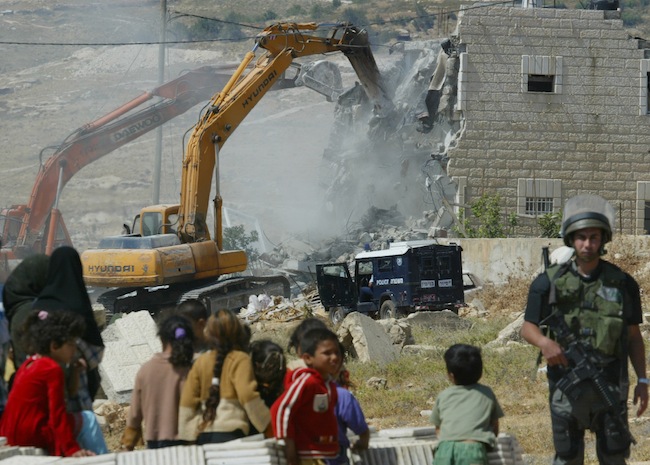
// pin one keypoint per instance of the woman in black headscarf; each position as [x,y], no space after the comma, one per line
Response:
[66,290]
[22,287]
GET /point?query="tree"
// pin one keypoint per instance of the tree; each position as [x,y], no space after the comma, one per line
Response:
[487,212]
[235,238]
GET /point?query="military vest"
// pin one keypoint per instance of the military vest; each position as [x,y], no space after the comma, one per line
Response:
[593,310]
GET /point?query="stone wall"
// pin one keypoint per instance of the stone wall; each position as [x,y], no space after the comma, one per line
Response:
[494,260]
[588,134]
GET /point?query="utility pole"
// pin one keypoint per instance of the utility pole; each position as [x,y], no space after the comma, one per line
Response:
[161,79]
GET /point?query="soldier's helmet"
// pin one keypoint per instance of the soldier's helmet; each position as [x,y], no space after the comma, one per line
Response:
[587,211]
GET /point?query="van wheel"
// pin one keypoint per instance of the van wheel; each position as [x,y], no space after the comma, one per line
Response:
[336,315]
[387,310]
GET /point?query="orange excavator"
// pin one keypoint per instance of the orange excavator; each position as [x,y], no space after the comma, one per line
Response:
[173,257]
[38,225]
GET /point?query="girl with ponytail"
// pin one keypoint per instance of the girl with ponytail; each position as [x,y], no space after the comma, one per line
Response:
[157,389]
[220,399]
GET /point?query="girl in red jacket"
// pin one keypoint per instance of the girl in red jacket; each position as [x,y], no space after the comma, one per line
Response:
[35,414]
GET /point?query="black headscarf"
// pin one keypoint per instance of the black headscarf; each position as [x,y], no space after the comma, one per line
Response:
[25,283]
[66,290]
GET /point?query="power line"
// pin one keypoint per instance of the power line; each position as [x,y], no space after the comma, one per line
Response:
[180,14]
[120,44]
[241,39]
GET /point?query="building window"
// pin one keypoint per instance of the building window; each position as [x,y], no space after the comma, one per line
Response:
[538,197]
[536,206]
[540,83]
[541,73]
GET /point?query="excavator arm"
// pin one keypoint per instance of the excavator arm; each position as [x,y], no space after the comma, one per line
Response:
[284,43]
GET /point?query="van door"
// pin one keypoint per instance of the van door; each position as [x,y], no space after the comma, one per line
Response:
[335,285]
[450,275]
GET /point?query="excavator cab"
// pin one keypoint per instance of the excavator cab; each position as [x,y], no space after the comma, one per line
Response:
[155,220]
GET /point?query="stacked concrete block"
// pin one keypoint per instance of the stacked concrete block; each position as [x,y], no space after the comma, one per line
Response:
[415,446]
[186,455]
[249,451]
[401,446]
[508,451]
[105,459]
[130,342]
[30,460]
[7,452]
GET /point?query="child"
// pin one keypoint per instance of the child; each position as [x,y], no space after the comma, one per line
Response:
[157,389]
[36,413]
[349,416]
[270,368]
[295,338]
[467,414]
[195,311]
[303,416]
[224,382]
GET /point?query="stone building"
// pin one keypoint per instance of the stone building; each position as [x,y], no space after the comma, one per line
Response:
[554,102]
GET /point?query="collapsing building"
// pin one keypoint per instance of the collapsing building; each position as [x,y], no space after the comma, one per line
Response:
[546,104]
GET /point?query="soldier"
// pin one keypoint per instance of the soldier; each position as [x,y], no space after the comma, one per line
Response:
[601,305]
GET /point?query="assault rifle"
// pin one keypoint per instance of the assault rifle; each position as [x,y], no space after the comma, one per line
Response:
[584,363]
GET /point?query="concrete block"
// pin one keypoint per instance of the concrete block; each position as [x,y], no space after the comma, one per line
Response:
[366,340]
[130,342]
[186,455]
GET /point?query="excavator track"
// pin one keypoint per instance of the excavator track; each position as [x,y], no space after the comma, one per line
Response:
[232,293]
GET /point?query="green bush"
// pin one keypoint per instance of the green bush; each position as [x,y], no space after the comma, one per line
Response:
[550,224]
[235,238]
[488,219]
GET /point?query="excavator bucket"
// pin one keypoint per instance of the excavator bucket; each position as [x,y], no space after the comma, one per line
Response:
[322,76]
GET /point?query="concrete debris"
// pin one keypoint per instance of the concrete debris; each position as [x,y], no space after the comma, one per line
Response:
[399,332]
[423,350]
[366,340]
[509,334]
[474,308]
[111,416]
[377,383]
[435,320]
[277,308]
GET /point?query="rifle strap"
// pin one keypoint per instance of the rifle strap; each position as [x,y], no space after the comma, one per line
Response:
[552,297]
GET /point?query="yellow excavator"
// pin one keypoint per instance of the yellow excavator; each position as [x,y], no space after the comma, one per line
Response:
[170,256]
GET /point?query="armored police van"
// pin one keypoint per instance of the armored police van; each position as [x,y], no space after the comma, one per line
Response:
[407,277]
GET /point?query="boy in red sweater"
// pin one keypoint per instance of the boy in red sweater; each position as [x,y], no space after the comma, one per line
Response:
[303,416]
